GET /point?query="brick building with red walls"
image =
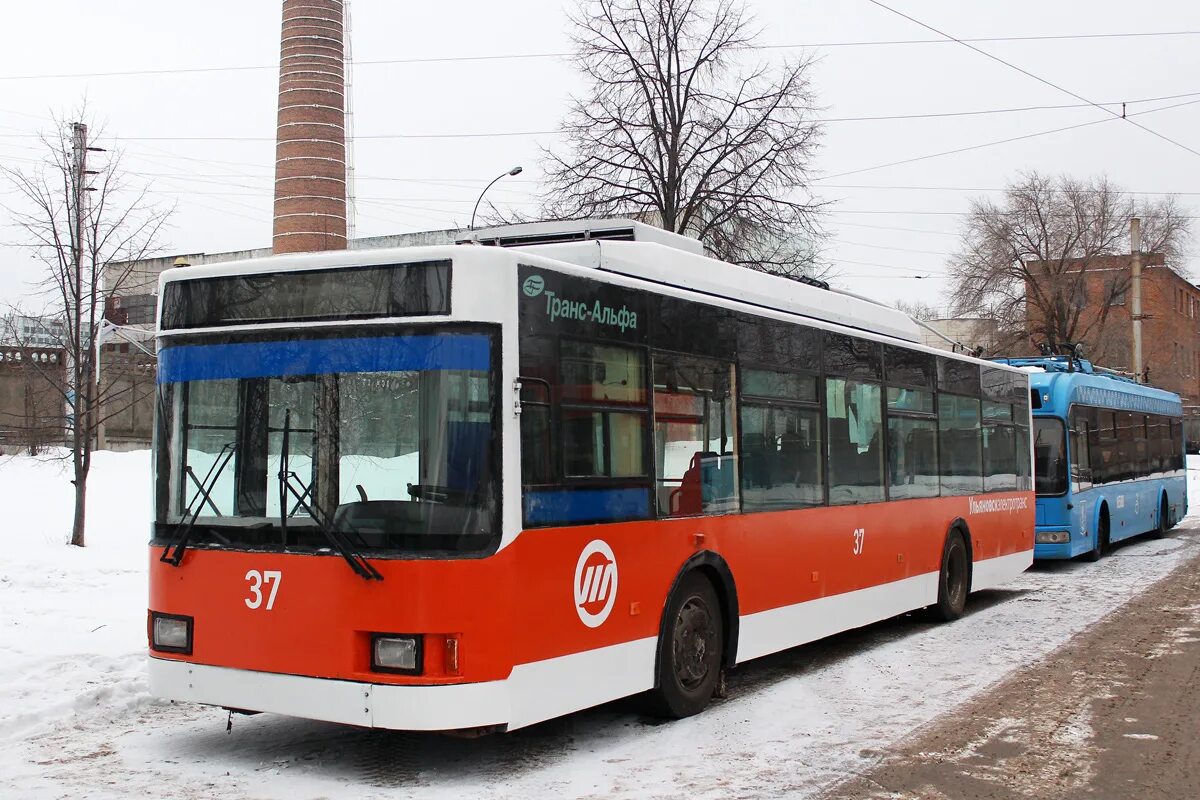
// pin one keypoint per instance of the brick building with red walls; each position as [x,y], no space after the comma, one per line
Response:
[1170,321]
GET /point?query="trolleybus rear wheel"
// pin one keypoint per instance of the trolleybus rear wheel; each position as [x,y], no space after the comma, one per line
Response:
[690,649]
[953,579]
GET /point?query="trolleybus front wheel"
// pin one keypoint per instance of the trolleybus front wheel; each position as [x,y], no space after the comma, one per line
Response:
[1164,521]
[690,648]
[1100,545]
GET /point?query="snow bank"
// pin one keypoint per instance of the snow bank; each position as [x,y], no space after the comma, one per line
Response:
[73,620]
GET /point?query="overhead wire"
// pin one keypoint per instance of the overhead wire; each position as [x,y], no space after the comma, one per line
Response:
[559,55]
[1023,71]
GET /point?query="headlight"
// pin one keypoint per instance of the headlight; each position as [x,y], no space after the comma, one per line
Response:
[393,653]
[170,633]
[1052,537]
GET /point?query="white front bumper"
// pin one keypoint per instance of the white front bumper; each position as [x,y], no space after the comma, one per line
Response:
[372,705]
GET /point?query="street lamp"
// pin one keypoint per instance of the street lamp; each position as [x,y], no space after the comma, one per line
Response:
[513,171]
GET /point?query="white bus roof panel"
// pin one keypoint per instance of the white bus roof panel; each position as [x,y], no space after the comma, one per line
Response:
[698,273]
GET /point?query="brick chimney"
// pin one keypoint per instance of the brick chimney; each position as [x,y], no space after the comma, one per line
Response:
[310,153]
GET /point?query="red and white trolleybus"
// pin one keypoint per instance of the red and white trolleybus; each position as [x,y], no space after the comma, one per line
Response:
[479,486]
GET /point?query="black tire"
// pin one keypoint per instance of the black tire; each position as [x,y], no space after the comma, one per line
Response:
[690,647]
[1164,522]
[1100,545]
[954,579]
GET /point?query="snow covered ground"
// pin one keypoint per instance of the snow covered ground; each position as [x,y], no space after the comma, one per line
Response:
[75,718]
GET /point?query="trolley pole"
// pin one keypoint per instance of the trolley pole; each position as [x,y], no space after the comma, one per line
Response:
[1135,264]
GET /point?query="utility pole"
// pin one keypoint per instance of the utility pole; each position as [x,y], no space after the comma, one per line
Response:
[1135,263]
[75,306]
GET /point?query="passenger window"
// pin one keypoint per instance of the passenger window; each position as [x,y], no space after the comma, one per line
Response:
[912,457]
[1000,472]
[854,410]
[960,377]
[603,444]
[851,357]
[959,436]
[602,373]
[781,441]
[694,435]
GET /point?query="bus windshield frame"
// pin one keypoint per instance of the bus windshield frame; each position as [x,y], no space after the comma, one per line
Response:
[388,436]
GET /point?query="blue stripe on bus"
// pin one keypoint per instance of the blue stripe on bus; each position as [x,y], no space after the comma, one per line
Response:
[200,362]
[564,506]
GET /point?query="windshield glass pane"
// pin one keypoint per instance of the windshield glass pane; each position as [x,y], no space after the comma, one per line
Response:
[1049,456]
[387,440]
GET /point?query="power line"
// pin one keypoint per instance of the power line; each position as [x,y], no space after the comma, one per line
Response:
[925,231]
[902,187]
[491,134]
[999,141]
[558,55]
[897,249]
[1038,78]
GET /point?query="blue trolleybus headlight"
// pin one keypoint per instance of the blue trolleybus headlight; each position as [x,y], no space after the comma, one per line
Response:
[170,633]
[1053,537]
[396,653]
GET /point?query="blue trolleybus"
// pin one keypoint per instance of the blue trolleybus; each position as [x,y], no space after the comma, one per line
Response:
[1108,457]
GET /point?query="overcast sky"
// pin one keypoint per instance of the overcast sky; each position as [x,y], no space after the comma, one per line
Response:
[888,225]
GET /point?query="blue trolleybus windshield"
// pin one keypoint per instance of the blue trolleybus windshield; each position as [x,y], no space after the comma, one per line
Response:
[389,439]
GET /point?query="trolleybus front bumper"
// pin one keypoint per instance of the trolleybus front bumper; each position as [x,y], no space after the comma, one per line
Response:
[1054,542]
[371,705]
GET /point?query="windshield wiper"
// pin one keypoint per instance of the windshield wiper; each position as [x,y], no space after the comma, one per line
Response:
[204,490]
[357,561]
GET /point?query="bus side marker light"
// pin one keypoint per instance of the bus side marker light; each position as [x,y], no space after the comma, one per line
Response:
[816,576]
[698,539]
[635,608]
[396,653]
[452,655]
[899,558]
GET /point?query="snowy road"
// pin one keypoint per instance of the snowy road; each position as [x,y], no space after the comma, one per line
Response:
[75,719]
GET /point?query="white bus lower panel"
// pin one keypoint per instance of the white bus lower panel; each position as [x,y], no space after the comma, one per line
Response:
[532,693]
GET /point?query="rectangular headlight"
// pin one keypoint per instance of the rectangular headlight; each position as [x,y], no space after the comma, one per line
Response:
[170,633]
[1052,537]
[396,653]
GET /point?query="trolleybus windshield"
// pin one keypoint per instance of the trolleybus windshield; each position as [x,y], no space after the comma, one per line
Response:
[1049,456]
[388,440]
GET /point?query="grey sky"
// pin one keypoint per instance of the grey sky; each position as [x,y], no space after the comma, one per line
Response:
[223,187]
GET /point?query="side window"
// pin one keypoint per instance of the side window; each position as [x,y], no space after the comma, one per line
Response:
[603,410]
[912,444]
[854,413]
[1080,455]
[537,377]
[781,441]
[960,444]
[694,436]
[1127,425]
[584,422]
[999,448]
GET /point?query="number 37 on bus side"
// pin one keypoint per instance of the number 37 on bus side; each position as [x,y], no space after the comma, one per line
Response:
[860,536]
[260,582]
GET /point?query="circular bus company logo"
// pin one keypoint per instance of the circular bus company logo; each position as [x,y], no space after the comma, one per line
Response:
[595,583]
[534,285]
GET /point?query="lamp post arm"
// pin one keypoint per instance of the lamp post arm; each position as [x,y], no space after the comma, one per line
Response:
[480,198]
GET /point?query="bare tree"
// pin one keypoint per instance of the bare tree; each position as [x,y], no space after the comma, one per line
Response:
[672,132]
[79,223]
[1027,262]
[919,310]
